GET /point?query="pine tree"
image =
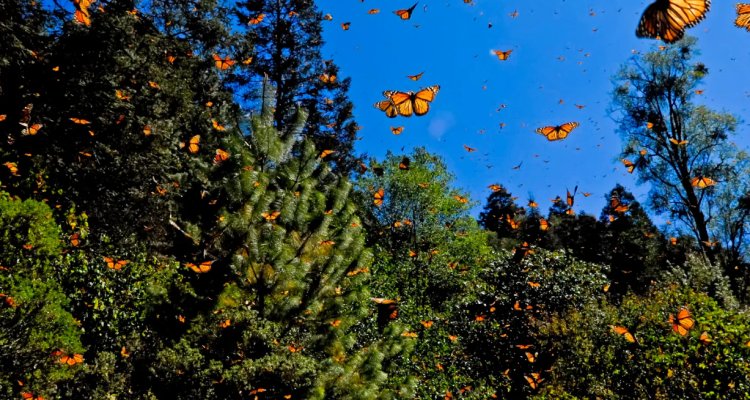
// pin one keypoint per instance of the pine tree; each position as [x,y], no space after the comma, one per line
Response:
[287,40]
[282,292]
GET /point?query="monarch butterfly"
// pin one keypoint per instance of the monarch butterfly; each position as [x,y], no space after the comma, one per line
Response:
[705,339]
[534,284]
[683,322]
[328,17]
[530,356]
[543,224]
[532,204]
[121,95]
[345,26]
[534,380]
[222,63]
[377,198]
[271,216]
[621,330]
[710,243]
[256,20]
[702,182]
[397,130]
[667,19]
[678,142]
[617,205]
[673,241]
[415,77]
[201,268]
[408,103]
[461,199]
[326,153]
[220,156]
[80,121]
[495,187]
[69,359]
[75,239]
[12,167]
[502,55]
[32,130]
[404,164]
[193,144]
[217,125]
[225,323]
[570,198]
[743,16]
[586,194]
[327,78]
[511,222]
[406,13]
[388,107]
[30,396]
[629,165]
[558,132]
[147,130]
[116,265]
[469,149]
[327,243]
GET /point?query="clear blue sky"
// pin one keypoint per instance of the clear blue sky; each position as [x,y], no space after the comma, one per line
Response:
[562,49]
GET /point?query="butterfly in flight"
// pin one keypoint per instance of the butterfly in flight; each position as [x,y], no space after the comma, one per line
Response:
[667,19]
[702,182]
[222,63]
[502,55]
[743,16]
[621,330]
[415,77]
[683,322]
[409,103]
[558,132]
[405,13]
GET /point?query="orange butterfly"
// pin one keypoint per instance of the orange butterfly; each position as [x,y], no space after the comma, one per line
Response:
[667,19]
[495,187]
[461,199]
[502,55]
[705,339]
[217,125]
[397,130]
[426,324]
[558,132]
[673,241]
[534,380]
[543,224]
[256,20]
[271,216]
[116,265]
[743,16]
[80,121]
[469,149]
[193,144]
[678,142]
[68,359]
[404,164]
[388,307]
[345,26]
[702,182]
[220,156]
[683,322]
[75,239]
[628,164]
[201,268]
[378,197]
[415,77]
[621,330]
[326,153]
[222,63]
[12,167]
[147,130]
[32,130]
[532,204]
[328,17]
[30,396]
[388,107]
[326,78]
[406,13]
[408,103]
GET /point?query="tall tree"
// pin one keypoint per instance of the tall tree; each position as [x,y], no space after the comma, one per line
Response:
[287,40]
[680,148]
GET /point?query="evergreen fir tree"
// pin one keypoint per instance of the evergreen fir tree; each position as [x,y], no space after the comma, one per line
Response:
[287,40]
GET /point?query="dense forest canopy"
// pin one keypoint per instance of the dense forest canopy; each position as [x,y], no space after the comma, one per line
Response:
[184,215]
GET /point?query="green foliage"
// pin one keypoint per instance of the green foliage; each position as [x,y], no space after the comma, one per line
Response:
[661,363]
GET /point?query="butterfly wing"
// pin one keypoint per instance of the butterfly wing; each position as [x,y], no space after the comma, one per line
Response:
[423,98]
[388,107]
[667,19]
[685,320]
[743,16]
